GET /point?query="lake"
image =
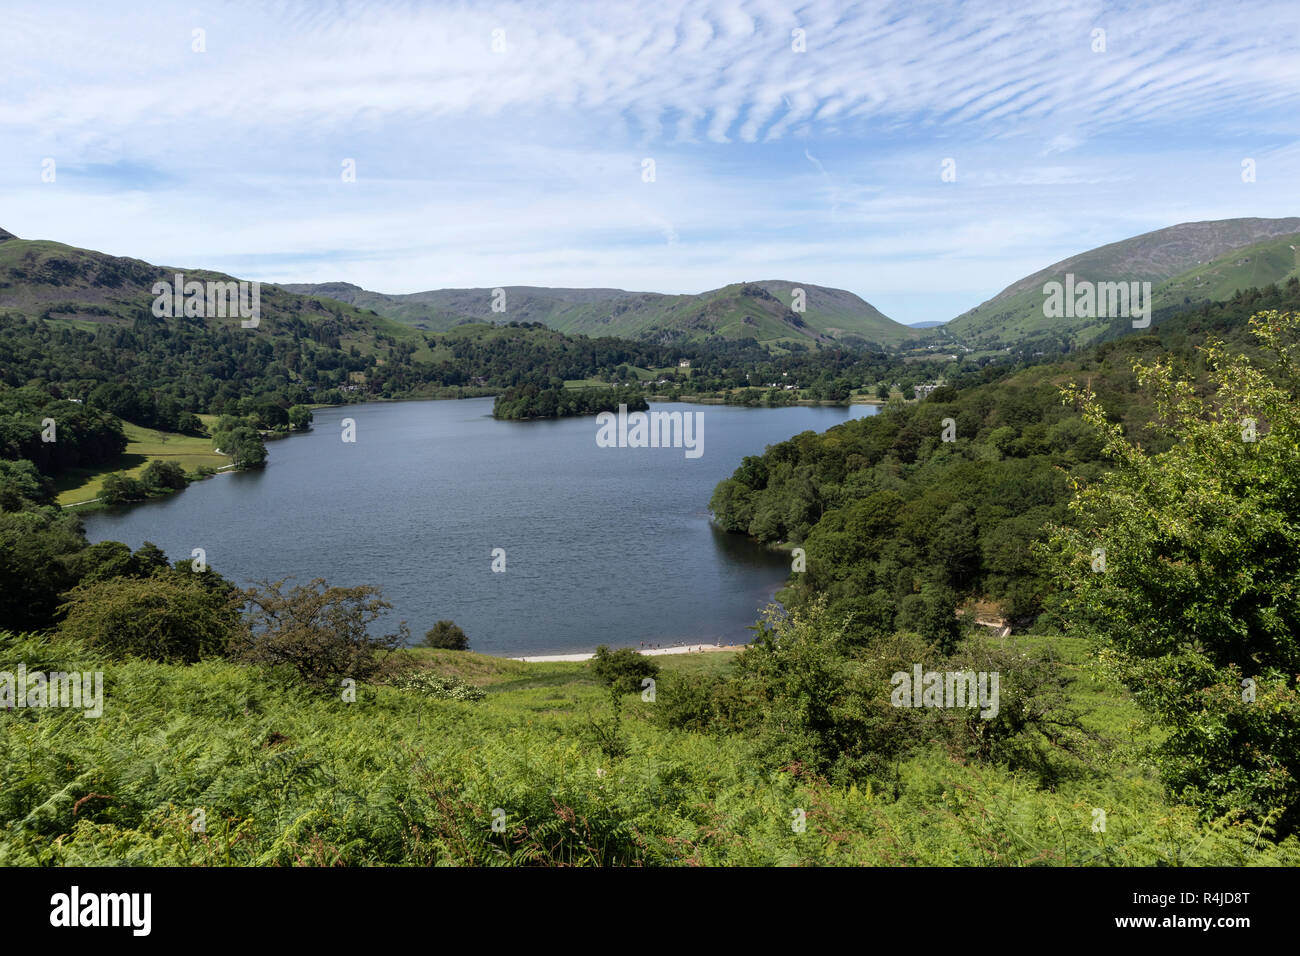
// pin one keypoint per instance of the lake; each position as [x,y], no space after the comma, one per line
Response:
[603,545]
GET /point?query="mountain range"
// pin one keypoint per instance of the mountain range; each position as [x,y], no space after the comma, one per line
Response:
[1185,264]
[762,310]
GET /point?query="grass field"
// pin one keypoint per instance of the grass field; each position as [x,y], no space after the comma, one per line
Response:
[585,383]
[557,687]
[642,374]
[79,485]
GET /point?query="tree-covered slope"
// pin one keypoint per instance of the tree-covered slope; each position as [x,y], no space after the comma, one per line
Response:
[901,525]
[1139,495]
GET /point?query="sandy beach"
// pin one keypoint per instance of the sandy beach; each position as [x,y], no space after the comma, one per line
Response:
[682,649]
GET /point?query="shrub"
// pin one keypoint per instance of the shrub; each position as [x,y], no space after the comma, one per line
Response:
[117,489]
[821,702]
[446,635]
[169,616]
[622,671]
[703,705]
[321,632]
[300,417]
[438,686]
[163,476]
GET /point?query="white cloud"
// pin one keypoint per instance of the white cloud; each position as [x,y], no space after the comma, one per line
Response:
[524,166]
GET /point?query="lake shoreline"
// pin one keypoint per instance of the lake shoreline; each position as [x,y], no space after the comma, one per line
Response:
[648,652]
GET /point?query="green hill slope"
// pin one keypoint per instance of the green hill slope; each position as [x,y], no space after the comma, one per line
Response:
[58,282]
[1262,264]
[758,310]
[1015,315]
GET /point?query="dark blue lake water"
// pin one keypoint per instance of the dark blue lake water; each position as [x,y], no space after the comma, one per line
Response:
[602,545]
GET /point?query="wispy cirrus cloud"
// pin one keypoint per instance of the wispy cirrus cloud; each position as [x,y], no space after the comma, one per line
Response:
[488,136]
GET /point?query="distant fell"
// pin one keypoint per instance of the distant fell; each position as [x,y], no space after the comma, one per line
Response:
[1015,315]
[768,311]
[41,279]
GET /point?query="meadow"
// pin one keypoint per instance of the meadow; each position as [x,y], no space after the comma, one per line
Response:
[218,763]
[82,485]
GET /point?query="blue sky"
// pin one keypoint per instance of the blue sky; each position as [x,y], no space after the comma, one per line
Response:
[523,165]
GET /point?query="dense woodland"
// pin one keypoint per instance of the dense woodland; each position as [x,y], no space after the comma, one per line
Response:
[529,401]
[78,436]
[162,372]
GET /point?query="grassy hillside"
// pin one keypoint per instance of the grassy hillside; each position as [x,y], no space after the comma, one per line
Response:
[443,309]
[1015,315]
[283,777]
[759,310]
[1254,266]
